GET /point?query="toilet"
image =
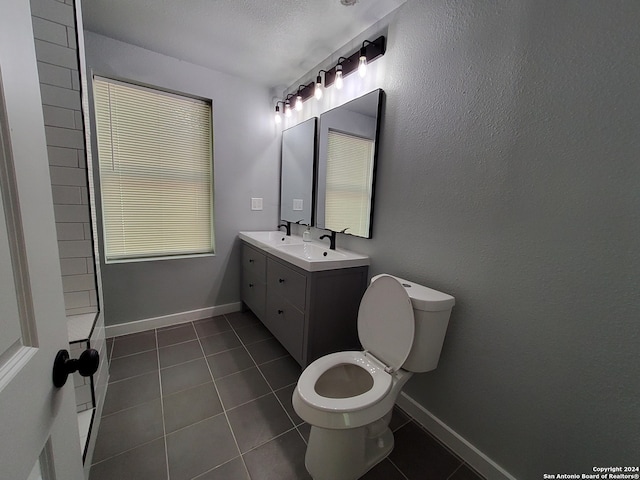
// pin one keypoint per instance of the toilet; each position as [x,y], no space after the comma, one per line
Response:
[347,397]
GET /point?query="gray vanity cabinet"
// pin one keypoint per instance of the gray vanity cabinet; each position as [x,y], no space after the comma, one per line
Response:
[310,313]
[254,279]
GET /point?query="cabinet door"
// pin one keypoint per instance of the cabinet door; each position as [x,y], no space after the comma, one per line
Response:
[255,262]
[287,283]
[286,323]
[253,293]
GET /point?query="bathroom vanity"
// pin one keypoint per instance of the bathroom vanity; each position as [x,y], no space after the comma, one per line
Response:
[307,295]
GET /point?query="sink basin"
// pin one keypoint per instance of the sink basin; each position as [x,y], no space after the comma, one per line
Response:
[310,256]
[269,239]
[315,257]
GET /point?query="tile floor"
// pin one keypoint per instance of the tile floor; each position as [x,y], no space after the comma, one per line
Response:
[211,399]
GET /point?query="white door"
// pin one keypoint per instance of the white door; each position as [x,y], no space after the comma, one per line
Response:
[37,420]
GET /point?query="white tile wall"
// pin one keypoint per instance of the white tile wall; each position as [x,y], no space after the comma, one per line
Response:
[56,51]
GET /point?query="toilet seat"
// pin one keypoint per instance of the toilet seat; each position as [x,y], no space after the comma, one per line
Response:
[386,328]
[306,384]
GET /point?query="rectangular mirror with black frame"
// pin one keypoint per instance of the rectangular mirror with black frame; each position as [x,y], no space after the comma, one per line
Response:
[297,169]
[347,151]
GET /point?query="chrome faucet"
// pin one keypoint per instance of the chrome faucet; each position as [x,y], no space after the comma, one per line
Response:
[332,239]
[286,225]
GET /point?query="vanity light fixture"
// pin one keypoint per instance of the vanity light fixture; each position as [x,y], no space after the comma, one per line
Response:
[287,108]
[298,105]
[362,61]
[369,51]
[318,88]
[339,82]
[278,117]
[372,50]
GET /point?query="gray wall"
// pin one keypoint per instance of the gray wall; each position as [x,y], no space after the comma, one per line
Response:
[246,164]
[509,177]
[54,29]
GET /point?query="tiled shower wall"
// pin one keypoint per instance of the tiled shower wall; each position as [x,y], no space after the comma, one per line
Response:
[57,54]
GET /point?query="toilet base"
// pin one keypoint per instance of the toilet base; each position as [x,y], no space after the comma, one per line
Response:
[347,454]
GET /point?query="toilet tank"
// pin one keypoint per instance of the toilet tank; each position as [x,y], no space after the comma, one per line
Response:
[431,310]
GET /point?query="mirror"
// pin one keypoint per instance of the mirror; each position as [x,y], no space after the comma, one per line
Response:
[347,154]
[296,174]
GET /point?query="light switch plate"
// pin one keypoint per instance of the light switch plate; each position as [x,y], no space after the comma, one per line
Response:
[298,204]
[256,204]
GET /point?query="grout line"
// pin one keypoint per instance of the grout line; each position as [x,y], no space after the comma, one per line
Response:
[277,398]
[126,451]
[224,410]
[271,439]
[164,428]
[396,467]
[453,473]
[215,468]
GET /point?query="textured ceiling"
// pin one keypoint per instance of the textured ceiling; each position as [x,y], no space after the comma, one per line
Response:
[270,42]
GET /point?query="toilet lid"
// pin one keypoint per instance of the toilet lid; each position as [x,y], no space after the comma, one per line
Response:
[385,321]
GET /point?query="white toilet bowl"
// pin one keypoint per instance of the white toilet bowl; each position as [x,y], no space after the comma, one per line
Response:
[347,397]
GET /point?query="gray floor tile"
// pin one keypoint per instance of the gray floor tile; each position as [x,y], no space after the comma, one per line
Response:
[242,319]
[419,456]
[385,470]
[253,333]
[280,459]
[212,326]
[176,334]
[147,461]
[282,372]
[257,422]
[284,395]
[182,352]
[231,361]
[266,350]
[233,470]
[128,429]
[131,392]
[134,343]
[398,419]
[465,473]
[220,342]
[133,365]
[190,406]
[241,387]
[200,447]
[184,375]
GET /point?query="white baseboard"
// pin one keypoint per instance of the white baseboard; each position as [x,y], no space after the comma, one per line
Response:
[172,319]
[459,445]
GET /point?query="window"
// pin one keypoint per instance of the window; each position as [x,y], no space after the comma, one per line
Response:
[156,178]
[348,190]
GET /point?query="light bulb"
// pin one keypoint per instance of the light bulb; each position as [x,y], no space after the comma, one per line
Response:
[339,81]
[318,90]
[287,109]
[298,103]
[362,66]
[278,117]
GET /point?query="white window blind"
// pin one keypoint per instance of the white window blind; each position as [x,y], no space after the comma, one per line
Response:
[349,176]
[155,160]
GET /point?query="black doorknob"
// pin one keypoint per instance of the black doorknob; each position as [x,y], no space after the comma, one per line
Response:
[63,366]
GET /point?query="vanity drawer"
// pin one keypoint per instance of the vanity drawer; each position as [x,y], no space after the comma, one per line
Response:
[255,262]
[287,324]
[254,293]
[287,283]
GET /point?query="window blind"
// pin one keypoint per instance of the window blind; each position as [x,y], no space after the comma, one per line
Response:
[348,188]
[155,162]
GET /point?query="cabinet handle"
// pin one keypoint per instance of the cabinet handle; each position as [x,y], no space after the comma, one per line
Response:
[281,280]
[280,312]
[251,260]
[251,285]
